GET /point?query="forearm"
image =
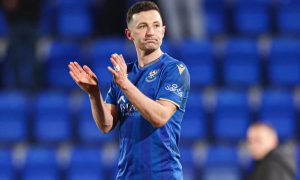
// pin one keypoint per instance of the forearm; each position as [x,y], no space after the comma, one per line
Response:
[151,110]
[101,114]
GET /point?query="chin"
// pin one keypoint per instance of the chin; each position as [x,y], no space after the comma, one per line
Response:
[258,157]
[150,49]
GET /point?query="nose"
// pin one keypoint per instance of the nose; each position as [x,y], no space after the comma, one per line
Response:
[150,31]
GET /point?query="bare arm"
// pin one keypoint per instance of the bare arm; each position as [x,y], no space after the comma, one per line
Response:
[105,115]
[156,112]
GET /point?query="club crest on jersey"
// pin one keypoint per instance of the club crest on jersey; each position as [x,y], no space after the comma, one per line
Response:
[152,75]
[181,68]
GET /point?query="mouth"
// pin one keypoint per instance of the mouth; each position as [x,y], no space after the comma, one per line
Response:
[150,40]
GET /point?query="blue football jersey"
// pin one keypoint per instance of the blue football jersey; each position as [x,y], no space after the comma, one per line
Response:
[147,152]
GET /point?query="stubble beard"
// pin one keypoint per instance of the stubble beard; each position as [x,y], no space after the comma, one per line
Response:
[148,49]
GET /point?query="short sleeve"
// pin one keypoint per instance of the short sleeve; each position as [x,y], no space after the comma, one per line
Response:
[175,85]
[111,94]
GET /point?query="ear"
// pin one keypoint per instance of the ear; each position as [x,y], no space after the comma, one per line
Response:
[128,34]
[163,31]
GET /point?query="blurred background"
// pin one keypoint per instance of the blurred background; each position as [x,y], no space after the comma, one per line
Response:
[243,57]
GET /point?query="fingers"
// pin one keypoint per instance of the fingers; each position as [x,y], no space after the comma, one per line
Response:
[112,71]
[122,59]
[124,65]
[118,60]
[89,71]
[74,76]
[79,68]
[73,68]
[114,61]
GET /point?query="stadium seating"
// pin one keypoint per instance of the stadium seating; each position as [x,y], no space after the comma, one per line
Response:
[57,71]
[221,163]
[277,109]
[246,68]
[48,16]
[215,16]
[288,15]
[85,162]
[74,19]
[242,63]
[232,109]
[284,65]
[13,117]
[252,18]
[52,118]
[193,125]
[6,165]
[187,159]
[41,163]
[198,57]
[88,131]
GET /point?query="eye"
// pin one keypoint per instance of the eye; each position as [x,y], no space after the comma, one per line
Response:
[141,26]
[157,25]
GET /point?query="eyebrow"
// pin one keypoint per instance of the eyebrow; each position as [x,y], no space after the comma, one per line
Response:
[143,23]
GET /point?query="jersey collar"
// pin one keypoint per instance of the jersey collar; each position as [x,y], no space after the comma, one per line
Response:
[150,64]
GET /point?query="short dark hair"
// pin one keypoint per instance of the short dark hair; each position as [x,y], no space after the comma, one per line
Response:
[139,7]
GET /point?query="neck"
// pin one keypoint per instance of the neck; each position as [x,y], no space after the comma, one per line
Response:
[145,58]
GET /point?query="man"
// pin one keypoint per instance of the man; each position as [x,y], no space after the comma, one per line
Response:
[147,98]
[22,17]
[271,163]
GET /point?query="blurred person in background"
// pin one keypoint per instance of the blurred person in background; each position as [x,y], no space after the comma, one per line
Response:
[147,98]
[183,19]
[22,17]
[271,163]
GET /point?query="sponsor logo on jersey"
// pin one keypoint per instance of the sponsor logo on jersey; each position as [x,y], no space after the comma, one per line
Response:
[181,68]
[152,75]
[126,108]
[174,88]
